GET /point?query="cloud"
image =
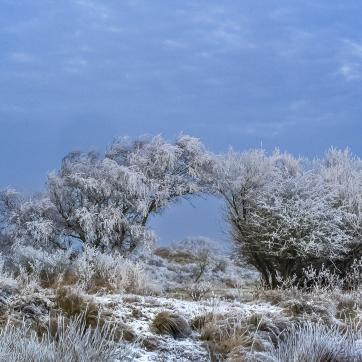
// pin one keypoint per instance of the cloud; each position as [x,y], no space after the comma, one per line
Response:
[230,37]
[281,13]
[263,129]
[75,65]
[223,28]
[22,27]
[351,72]
[11,109]
[21,57]
[351,67]
[95,8]
[354,47]
[211,61]
[174,44]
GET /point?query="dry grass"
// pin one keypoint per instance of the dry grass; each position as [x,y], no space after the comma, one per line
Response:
[171,324]
[176,256]
[73,303]
[150,343]
[222,333]
[43,293]
[232,334]
[53,280]
[72,341]
[92,270]
[314,342]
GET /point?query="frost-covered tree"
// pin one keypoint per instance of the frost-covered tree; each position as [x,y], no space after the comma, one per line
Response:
[105,200]
[342,172]
[30,219]
[286,213]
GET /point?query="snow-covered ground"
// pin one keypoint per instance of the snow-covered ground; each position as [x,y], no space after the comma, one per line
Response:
[138,313]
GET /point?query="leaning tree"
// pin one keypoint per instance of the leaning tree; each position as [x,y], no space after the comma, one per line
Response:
[106,200]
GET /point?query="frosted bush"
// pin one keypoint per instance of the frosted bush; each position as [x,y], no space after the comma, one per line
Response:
[323,279]
[198,291]
[7,278]
[97,270]
[286,214]
[37,260]
[204,255]
[92,269]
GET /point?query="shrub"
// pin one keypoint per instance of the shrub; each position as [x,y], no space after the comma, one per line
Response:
[49,268]
[197,291]
[286,214]
[109,272]
[196,258]
[91,269]
[328,304]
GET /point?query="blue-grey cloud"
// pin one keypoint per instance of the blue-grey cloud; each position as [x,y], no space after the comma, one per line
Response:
[76,73]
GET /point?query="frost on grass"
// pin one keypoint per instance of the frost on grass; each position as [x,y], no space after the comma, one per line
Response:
[72,341]
[172,324]
[91,270]
[314,342]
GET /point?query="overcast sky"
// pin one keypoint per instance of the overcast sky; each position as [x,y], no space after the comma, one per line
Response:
[75,74]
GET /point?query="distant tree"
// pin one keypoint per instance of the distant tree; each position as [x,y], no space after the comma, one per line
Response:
[106,200]
[286,214]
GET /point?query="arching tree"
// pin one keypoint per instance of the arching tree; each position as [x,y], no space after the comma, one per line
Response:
[106,199]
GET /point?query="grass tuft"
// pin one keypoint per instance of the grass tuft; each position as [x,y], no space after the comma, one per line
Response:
[171,324]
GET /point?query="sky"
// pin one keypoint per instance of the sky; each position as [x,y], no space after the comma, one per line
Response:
[74,74]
